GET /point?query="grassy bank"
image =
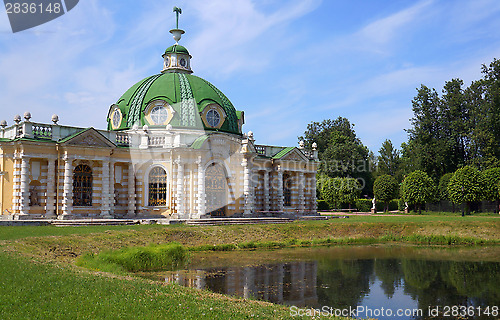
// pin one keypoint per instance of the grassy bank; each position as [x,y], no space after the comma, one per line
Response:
[419,229]
[40,291]
[41,280]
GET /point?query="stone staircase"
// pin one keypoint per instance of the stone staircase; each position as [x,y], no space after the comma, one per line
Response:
[93,222]
[224,221]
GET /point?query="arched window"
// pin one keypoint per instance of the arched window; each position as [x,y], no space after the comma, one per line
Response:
[157,187]
[287,190]
[82,186]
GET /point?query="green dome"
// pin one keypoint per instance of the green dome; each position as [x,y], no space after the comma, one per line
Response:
[187,94]
[177,49]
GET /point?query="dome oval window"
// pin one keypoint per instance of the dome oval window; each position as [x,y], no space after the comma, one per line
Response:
[213,118]
[159,114]
[116,118]
[183,62]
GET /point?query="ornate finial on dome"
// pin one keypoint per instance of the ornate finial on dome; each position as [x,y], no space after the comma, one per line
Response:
[55,118]
[3,123]
[17,119]
[177,33]
[177,58]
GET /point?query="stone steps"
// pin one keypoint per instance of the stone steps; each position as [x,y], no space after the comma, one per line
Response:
[227,221]
[93,222]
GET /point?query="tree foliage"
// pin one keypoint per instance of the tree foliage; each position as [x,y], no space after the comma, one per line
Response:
[341,152]
[417,188]
[385,188]
[442,192]
[461,127]
[465,186]
[337,191]
[388,161]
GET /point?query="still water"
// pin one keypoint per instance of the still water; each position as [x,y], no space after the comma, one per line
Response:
[408,282]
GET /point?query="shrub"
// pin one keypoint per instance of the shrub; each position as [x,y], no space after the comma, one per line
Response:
[490,180]
[417,188]
[364,205]
[337,191]
[442,192]
[385,188]
[465,186]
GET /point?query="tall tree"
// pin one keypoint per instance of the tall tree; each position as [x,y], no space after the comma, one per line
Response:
[388,161]
[341,152]
[425,143]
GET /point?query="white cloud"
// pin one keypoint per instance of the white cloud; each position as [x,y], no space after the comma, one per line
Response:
[235,34]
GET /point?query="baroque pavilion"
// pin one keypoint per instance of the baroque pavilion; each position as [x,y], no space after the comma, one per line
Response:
[174,147]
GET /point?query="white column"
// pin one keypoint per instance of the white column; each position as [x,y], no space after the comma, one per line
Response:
[131,190]
[67,201]
[105,196]
[180,187]
[24,207]
[301,186]
[266,191]
[247,186]
[314,207]
[280,189]
[111,187]
[51,181]
[201,188]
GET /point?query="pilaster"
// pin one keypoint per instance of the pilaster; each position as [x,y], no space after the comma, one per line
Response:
[105,196]
[301,187]
[280,189]
[266,191]
[131,190]
[51,180]
[180,187]
[201,189]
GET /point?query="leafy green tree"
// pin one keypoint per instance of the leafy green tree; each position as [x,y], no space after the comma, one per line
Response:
[483,99]
[465,186]
[388,159]
[490,180]
[443,187]
[385,188]
[341,152]
[417,188]
[425,143]
[442,190]
[337,191]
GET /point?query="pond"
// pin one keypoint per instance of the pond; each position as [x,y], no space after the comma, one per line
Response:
[384,282]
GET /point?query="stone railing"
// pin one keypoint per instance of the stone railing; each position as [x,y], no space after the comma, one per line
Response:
[122,139]
[156,141]
[42,131]
[260,149]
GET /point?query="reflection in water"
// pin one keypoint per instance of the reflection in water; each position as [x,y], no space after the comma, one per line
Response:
[343,283]
[291,283]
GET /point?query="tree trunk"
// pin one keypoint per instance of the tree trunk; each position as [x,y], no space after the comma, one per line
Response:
[419,208]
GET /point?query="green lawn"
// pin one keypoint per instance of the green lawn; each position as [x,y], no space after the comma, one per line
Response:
[40,281]
[31,290]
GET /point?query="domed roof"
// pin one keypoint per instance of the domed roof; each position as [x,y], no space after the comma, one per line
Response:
[188,95]
[176,48]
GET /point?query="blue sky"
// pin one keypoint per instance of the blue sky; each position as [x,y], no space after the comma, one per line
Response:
[285,63]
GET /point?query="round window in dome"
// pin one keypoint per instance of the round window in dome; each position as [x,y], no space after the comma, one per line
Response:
[159,114]
[213,118]
[183,62]
[116,118]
